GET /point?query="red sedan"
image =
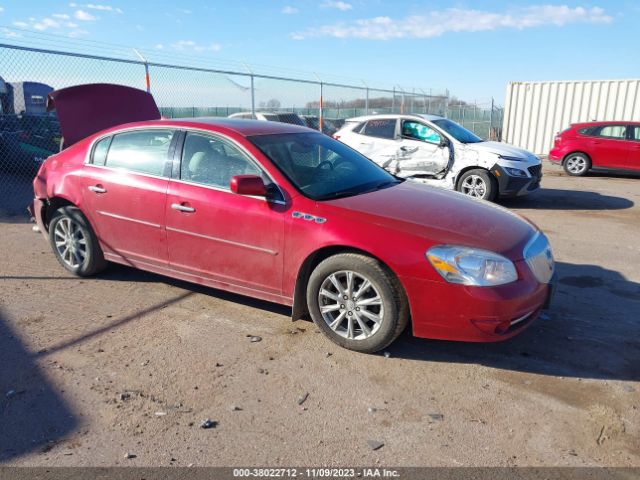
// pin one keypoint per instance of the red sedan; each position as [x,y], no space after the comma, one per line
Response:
[604,145]
[286,214]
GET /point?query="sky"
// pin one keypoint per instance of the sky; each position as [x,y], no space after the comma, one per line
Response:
[470,48]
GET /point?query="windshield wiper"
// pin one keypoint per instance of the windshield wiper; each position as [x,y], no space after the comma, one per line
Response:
[357,191]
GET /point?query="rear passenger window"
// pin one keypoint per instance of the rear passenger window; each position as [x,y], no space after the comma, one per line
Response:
[381,128]
[635,132]
[141,151]
[100,151]
[612,131]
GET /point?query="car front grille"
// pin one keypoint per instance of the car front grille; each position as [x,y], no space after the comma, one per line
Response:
[535,171]
[537,253]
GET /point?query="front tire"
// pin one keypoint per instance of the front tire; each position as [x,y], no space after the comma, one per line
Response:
[74,242]
[478,183]
[357,302]
[576,164]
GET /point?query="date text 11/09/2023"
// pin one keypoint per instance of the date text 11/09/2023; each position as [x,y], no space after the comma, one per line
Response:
[315,473]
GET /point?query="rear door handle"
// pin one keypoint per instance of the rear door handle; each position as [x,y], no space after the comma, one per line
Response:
[97,189]
[182,208]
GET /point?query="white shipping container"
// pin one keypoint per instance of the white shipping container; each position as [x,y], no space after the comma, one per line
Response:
[535,111]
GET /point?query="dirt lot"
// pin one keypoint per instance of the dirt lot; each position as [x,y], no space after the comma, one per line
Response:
[132,363]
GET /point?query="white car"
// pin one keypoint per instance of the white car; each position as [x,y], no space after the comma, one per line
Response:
[282,117]
[437,151]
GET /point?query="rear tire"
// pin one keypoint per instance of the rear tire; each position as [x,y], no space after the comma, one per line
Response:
[357,302]
[74,242]
[478,183]
[576,164]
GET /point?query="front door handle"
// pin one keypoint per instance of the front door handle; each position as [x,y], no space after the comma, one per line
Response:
[97,189]
[182,208]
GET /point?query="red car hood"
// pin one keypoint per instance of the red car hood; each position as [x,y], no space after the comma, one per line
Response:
[441,217]
[87,109]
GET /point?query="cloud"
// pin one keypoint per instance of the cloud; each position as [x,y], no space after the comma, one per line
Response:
[83,16]
[10,33]
[58,22]
[77,33]
[104,8]
[289,10]
[158,46]
[343,6]
[186,11]
[45,24]
[1,9]
[439,22]
[185,45]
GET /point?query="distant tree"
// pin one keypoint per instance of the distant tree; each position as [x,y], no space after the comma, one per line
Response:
[272,104]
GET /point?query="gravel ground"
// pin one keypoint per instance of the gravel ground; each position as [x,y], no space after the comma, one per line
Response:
[131,363]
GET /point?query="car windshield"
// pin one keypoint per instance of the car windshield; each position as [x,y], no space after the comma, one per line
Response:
[321,167]
[457,131]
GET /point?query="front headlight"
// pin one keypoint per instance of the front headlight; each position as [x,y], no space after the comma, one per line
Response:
[515,172]
[512,159]
[471,266]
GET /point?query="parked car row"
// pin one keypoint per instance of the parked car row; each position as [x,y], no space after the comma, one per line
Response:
[329,126]
[26,140]
[290,215]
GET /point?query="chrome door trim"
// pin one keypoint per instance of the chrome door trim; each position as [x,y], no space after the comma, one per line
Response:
[222,240]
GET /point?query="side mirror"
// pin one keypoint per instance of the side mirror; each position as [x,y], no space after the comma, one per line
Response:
[444,142]
[248,185]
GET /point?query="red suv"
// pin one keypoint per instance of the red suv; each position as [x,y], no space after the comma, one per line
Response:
[607,145]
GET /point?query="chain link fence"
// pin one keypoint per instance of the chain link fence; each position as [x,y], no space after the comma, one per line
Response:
[29,134]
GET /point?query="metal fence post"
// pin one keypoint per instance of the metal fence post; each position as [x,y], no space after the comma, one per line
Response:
[253,98]
[491,120]
[320,108]
[446,104]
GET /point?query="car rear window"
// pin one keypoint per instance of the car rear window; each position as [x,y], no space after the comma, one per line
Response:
[381,128]
[290,118]
[100,150]
[584,130]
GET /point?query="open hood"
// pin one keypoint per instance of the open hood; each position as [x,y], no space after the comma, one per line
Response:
[87,109]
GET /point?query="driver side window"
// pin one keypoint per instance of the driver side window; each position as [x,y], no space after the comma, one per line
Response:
[419,131]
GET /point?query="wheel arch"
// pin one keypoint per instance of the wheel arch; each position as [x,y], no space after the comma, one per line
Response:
[469,168]
[300,308]
[51,205]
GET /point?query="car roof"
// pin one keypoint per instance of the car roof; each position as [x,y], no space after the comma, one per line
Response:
[424,116]
[244,127]
[604,122]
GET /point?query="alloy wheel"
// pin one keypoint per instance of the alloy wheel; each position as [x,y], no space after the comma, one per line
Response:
[576,164]
[474,186]
[351,305]
[70,242]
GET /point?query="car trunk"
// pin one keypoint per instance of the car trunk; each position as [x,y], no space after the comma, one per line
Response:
[87,109]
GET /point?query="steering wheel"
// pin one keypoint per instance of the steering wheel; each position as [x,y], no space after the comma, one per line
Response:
[323,163]
[340,161]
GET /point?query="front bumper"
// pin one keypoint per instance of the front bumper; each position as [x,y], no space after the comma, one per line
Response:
[510,186]
[446,311]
